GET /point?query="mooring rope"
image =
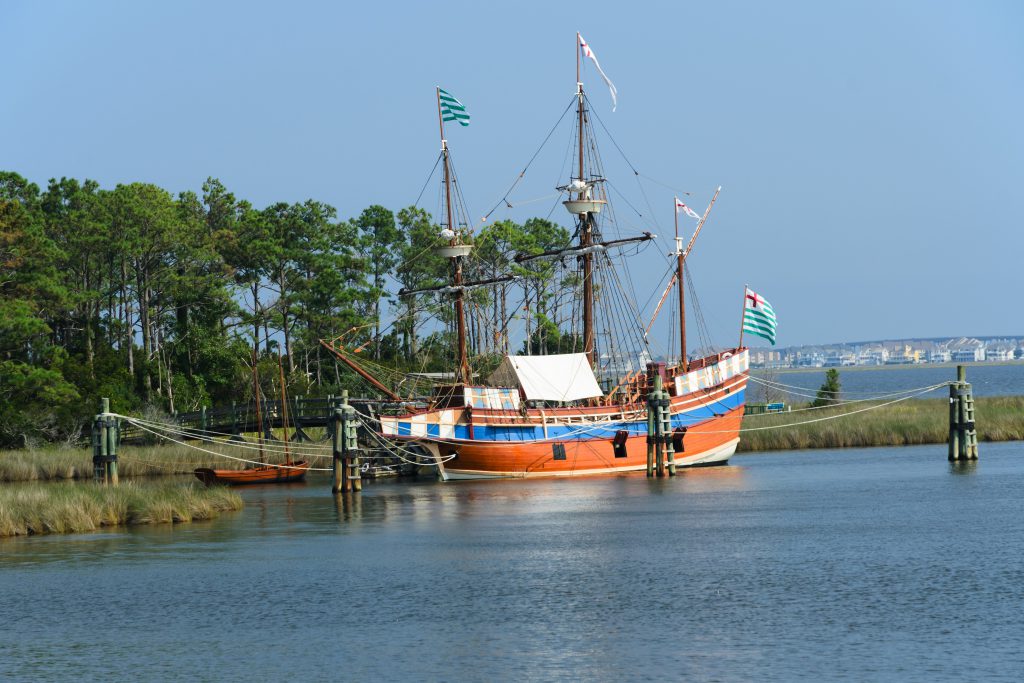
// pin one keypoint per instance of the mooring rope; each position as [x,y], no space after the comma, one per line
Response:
[879,397]
[775,383]
[393,449]
[827,417]
[222,455]
[201,435]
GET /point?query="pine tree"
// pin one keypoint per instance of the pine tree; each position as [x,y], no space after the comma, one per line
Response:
[828,394]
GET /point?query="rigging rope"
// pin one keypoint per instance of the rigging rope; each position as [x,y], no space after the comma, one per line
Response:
[221,455]
[519,177]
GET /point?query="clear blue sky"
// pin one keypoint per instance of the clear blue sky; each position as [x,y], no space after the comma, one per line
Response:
[871,153]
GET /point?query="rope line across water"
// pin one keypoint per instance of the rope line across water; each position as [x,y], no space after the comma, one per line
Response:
[396,449]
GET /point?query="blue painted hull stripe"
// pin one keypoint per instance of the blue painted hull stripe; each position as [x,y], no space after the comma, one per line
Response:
[583,431]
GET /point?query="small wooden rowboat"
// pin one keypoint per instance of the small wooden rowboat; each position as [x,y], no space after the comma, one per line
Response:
[262,474]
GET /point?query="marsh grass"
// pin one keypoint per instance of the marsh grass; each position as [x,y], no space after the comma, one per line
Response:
[67,507]
[919,421]
[53,463]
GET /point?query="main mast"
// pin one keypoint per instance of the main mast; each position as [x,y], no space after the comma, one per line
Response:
[585,227]
[456,252]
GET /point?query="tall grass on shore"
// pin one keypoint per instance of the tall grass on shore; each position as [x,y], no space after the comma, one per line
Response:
[68,507]
[917,421]
[55,463]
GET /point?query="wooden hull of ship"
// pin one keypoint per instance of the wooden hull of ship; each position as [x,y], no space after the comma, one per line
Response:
[264,474]
[559,442]
[709,443]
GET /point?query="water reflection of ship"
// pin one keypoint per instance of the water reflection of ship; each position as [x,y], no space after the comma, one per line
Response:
[710,479]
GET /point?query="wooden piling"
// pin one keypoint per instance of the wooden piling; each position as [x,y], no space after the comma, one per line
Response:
[99,449]
[666,432]
[963,437]
[351,444]
[652,418]
[346,474]
[659,423]
[113,437]
[970,434]
[652,431]
[338,473]
[106,434]
[954,411]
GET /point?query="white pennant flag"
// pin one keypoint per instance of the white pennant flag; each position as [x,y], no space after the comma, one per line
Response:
[687,210]
[587,52]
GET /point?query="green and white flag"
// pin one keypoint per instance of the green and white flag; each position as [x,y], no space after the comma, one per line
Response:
[451,108]
[758,316]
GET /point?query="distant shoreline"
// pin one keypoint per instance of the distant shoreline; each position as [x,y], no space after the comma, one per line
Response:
[900,366]
[910,423]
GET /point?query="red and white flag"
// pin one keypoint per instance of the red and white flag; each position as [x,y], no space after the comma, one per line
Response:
[680,206]
[587,52]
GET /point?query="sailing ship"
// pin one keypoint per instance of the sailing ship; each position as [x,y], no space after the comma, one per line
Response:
[565,414]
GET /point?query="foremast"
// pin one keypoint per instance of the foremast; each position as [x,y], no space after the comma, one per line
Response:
[456,252]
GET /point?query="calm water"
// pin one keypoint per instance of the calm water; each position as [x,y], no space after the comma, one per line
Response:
[986,380]
[880,564]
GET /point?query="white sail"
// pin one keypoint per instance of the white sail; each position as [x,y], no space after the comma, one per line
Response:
[559,377]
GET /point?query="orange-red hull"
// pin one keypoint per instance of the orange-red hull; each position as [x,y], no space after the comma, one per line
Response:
[705,444]
[263,474]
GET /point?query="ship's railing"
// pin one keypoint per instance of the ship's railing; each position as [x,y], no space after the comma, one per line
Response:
[637,386]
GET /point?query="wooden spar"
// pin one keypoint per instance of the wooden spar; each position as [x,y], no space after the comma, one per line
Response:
[682,289]
[460,312]
[464,285]
[743,314]
[686,252]
[359,371]
[522,258]
[661,302]
[284,408]
[585,233]
[700,224]
[577,56]
[256,397]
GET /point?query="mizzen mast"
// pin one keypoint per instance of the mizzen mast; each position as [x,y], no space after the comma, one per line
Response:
[682,293]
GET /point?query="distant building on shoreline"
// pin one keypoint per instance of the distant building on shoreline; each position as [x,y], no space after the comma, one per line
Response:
[898,352]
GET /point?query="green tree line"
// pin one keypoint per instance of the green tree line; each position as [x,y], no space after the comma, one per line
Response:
[163,301]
